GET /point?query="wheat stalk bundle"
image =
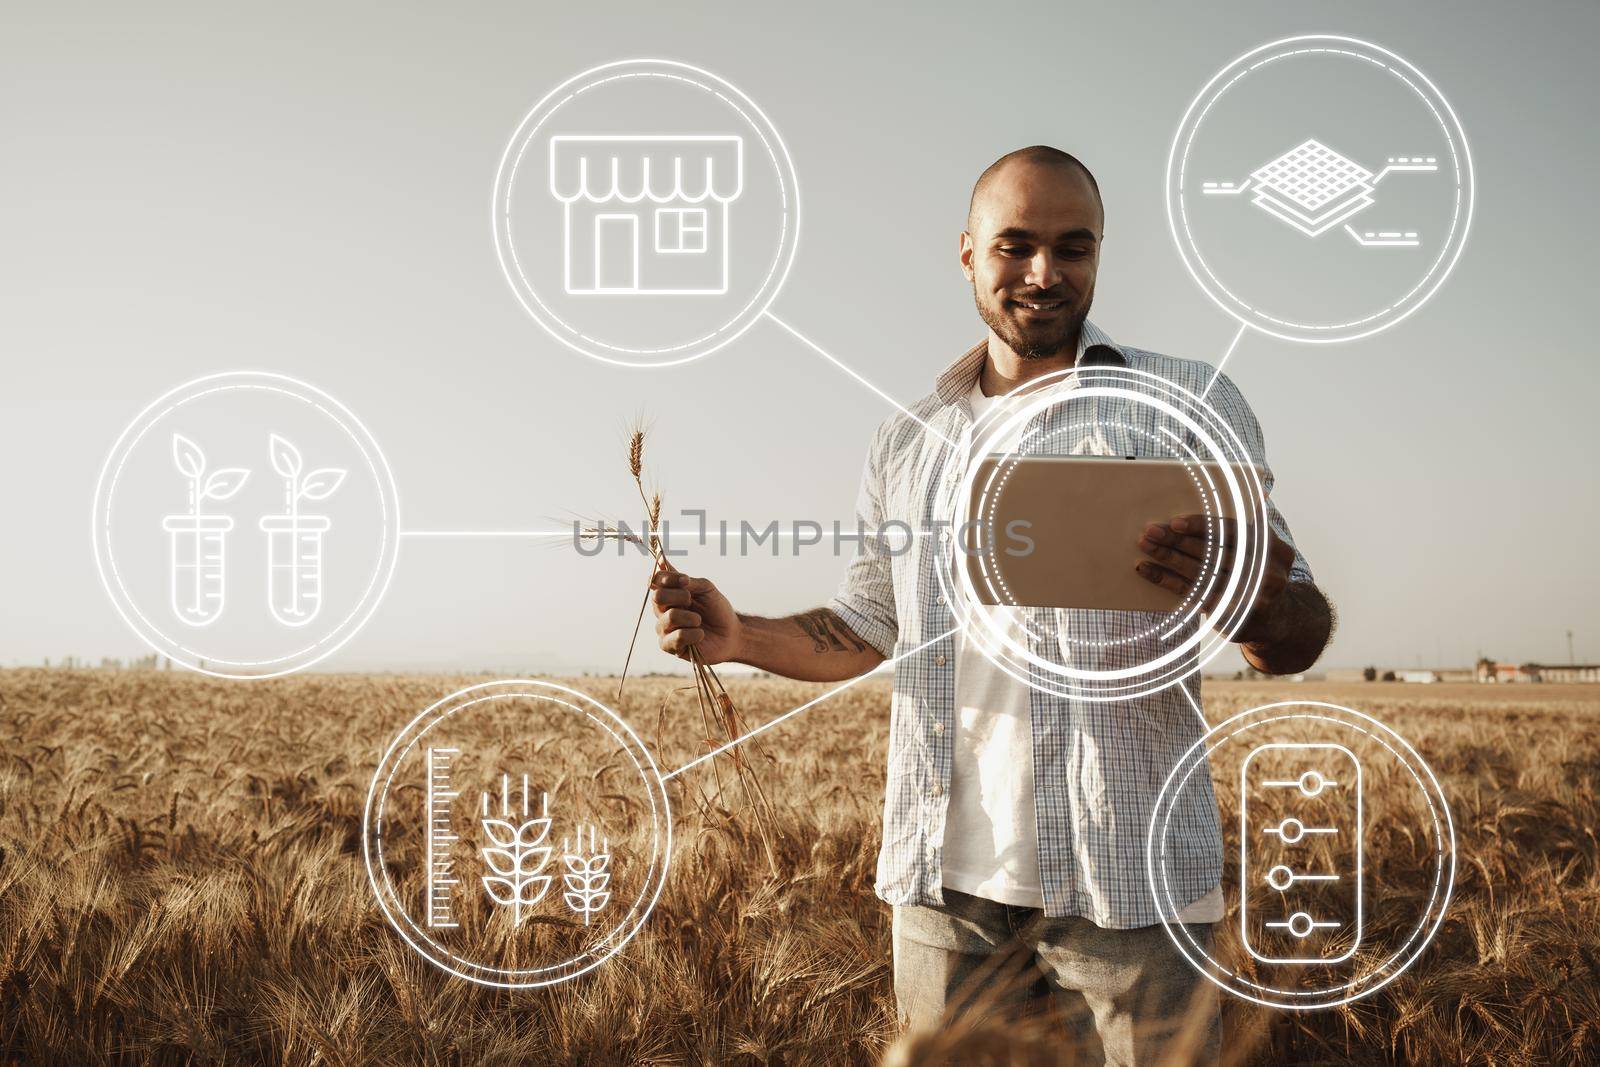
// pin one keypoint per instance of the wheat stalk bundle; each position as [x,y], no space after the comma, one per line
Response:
[710,694]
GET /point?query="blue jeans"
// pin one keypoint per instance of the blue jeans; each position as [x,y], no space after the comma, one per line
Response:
[1125,994]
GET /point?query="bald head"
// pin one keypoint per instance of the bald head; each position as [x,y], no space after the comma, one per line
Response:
[1034,157]
[1031,250]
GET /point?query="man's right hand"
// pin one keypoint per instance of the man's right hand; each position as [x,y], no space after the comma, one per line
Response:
[693,613]
[813,646]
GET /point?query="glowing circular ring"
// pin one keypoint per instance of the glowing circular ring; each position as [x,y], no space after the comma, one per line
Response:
[526,977]
[777,270]
[209,662]
[1199,957]
[1247,497]
[1250,314]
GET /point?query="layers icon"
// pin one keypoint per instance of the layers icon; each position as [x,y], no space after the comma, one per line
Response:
[1312,187]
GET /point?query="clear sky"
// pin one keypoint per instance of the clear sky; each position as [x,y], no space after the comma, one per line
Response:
[305,189]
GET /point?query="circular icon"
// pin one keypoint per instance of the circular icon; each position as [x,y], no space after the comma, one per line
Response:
[246,525]
[646,213]
[1306,790]
[497,861]
[1002,539]
[1319,189]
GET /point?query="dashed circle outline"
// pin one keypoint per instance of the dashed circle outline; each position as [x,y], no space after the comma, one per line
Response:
[1049,397]
[1080,393]
[267,381]
[523,137]
[515,689]
[1195,592]
[1445,842]
[1252,548]
[1174,194]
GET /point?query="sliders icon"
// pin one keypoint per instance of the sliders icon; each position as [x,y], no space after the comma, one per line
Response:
[1312,911]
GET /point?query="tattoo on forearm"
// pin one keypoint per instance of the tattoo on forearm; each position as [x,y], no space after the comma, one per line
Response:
[828,632]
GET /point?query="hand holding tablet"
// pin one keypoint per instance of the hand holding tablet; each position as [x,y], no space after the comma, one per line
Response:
[1120,534]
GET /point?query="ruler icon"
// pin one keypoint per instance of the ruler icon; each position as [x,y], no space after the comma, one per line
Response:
[439,796]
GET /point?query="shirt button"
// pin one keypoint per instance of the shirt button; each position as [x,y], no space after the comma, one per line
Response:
[939,599]
[938,727]
[938,661]
[937,790]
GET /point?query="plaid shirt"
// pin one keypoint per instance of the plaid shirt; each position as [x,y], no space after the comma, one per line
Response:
[1098,766]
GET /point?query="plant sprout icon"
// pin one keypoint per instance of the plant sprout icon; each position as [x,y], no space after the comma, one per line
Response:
[517,853]
[196,540]
[587,875]
[294,540]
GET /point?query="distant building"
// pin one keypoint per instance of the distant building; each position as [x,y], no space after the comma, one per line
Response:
[1430,676]
[1415,676]
[1491,672]
[1559,674]
[1563,673]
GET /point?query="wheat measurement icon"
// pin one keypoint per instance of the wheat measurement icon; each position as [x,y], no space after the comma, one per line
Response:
[588,873]
[440,894]
[516,854]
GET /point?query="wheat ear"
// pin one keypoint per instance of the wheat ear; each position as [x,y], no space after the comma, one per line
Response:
[712,696]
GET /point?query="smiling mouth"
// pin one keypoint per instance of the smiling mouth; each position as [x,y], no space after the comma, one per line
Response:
[1039,306]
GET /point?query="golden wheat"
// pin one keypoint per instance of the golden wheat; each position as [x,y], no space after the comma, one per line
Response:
[710,694]
[181,881]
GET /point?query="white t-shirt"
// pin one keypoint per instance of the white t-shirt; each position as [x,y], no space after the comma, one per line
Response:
[991,846]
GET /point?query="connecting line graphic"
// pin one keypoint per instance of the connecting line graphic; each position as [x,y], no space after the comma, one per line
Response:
[798,336]
[666,537]
[1223,361]
[1404,163]
[1180,687]
[485,533]
[813,702]
[1384,238]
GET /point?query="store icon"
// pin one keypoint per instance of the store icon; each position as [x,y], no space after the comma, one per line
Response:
[646,215]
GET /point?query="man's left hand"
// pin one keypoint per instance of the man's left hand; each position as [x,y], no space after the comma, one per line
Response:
[1176,554]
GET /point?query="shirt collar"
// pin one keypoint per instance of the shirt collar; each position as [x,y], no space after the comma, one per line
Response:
[1094,346]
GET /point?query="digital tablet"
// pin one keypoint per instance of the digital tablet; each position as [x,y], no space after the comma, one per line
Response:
[1063,531]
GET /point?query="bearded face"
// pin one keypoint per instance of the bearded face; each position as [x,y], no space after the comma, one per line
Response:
[1034,323]
[1031,250]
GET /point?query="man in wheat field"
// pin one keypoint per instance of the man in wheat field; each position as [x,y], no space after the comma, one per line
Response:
[1015,819]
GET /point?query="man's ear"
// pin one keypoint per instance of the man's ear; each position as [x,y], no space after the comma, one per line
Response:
[967,251]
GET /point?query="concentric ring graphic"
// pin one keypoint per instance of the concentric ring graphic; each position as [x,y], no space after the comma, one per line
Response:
[1189,644]
[513,698]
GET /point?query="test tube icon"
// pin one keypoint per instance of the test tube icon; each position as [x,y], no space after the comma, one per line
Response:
[197,542]
[294,539]
[294,566]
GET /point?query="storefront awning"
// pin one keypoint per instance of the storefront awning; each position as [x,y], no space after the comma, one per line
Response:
[603,169]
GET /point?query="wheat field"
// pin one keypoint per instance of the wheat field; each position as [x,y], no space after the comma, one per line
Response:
[181,881]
